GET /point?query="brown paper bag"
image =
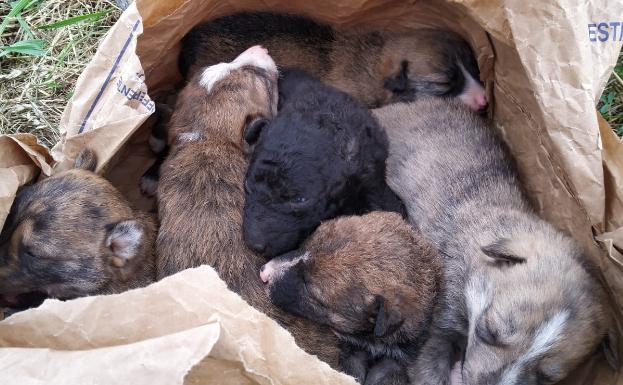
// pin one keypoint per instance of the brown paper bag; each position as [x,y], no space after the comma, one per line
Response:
[156,335]
[544,63]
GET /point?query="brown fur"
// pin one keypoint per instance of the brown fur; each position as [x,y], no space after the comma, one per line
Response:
[71,235]
[371,278]
[366,64]
[201,194]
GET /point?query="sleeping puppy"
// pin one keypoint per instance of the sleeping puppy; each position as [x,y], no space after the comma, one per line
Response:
[71,235]
[201,196]
[521,304]
[373,280]
[375,67]
[322,156]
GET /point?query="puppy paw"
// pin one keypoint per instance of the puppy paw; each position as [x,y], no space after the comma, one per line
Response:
[387,372]
[149,185]
[355,364]
[149,180]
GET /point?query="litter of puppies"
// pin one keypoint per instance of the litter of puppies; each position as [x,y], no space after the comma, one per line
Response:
[261,160]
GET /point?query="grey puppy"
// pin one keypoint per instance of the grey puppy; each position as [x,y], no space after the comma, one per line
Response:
[521,306]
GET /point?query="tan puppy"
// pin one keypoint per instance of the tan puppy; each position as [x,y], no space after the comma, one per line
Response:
[73,234]
[521,303]
[375,67]
[373,280]
[200,194]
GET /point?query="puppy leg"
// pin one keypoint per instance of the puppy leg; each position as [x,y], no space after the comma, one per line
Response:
[159,146]
[387,372]
[434,362]
[149,180]
[354,362]
[383,198]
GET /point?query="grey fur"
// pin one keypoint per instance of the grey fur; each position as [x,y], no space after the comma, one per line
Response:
[462,192]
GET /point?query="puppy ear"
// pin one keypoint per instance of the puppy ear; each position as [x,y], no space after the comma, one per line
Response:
[399,82]
[611,349]
[86,160]
[124,241]
[500,251]
[253,130]
[388,318]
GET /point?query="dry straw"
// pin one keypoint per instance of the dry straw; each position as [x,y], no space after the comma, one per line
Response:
[39,66]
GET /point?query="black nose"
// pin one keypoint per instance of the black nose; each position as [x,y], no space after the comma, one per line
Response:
[258,247]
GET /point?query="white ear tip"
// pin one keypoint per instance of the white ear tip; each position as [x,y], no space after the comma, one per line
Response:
[125,239]
[256,50]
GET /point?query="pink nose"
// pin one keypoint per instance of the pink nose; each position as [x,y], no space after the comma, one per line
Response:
[265,272]
[480,101]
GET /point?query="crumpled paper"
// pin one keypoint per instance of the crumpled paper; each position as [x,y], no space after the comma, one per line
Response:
[544,65]
[187,326]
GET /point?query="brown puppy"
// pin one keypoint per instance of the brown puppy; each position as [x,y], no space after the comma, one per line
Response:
[73,234]
[201,195]
[372,279]
[373,66]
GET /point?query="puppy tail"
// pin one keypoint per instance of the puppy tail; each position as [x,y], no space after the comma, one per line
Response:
[86,160]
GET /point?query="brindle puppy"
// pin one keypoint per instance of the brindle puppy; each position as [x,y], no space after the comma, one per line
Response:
[200,194]
[73,234]
[375,67]
[373,280]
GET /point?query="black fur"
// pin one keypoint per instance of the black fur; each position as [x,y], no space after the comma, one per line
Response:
[399,83]
[250,28]
[321,157]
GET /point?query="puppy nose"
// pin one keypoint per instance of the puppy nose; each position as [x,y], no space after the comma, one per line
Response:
[481,102]
[265,271]
[258,247]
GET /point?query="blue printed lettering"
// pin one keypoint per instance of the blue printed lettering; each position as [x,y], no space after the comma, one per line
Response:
[602,28]
[614,26]
[591,32]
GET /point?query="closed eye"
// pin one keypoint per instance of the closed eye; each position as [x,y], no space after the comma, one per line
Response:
[486,334]
[544,379]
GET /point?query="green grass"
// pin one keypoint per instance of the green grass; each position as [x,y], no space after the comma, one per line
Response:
[44,46]
[611,102]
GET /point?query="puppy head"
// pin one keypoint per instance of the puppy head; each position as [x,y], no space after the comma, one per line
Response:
[227,99]
[431,62]
[314,161]
[535,314]
[369,278]
[70,235]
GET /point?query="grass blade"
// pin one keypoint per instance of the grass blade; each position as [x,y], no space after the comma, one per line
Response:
[15,10]
[33,3]
[24,26]
[24,47]
[76,19]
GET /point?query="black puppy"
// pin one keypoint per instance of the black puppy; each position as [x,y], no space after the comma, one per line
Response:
[321,157]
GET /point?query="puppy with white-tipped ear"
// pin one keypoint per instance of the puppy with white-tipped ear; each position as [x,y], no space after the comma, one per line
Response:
[201,193]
